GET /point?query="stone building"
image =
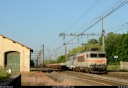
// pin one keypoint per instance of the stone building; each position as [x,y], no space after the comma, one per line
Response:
[14,55]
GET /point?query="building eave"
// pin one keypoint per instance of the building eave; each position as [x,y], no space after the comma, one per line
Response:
[31,50]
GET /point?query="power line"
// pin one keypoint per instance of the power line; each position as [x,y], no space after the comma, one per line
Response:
[96,20]
[123,26]
[109,11]
[118,27]
[93,5]
[77,35]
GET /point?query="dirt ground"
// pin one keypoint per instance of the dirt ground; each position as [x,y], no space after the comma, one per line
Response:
[48,79]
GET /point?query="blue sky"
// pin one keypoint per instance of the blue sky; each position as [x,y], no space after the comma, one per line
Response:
[37,22]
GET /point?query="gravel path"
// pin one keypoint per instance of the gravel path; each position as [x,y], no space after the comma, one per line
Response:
[83,79]
[61,78]
[116,77]
[47,79]
[109,78]
[58,77]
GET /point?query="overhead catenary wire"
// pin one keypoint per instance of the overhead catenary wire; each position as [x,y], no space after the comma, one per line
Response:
[96,2]
[123,27]
[106,13]
[91,7]
[116,28]
[96,20]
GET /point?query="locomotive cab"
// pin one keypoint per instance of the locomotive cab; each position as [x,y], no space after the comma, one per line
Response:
[97,62]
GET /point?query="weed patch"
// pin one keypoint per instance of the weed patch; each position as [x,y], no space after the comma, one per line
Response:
[3,75]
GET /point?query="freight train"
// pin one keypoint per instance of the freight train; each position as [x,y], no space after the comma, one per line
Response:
[88,61]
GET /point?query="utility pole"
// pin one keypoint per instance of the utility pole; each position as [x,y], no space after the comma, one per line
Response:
[77,35]
[39,58]
[43,55]
[37,61]
[56,56]
[103,44]
[65,52]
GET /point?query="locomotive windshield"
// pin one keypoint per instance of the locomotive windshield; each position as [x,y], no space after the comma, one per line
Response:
[101,55]
[92,55]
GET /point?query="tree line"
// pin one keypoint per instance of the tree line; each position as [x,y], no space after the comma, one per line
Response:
[115,44]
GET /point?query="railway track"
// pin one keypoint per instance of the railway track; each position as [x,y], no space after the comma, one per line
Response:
[110,79]
[98,80]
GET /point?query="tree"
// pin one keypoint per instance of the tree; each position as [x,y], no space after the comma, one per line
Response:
[92,41]
[49,61]
[122,47]
[115,44]
[111,41]
[31,63]
[90,46]
[61,59]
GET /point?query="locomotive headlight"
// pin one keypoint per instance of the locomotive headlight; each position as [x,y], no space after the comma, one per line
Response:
[103,63]
[93,64]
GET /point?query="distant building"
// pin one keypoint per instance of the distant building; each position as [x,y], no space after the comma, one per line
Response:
[14,55]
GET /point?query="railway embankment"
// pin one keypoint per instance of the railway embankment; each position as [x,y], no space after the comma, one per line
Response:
[39,78]
[54,77]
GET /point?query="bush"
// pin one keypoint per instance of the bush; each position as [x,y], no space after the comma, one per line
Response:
[3,75]
[113,67]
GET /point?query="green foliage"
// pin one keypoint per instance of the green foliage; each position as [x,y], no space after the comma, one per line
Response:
[31,63]
[77,50]
[61,59]
[49,61]
[90,46]
[110,45]
[115,44]
[100,41]
[122,48]
[92,43]
[3,75]
[113,67]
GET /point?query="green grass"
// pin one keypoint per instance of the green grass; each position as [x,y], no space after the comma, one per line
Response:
[113,67]
[3,75]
